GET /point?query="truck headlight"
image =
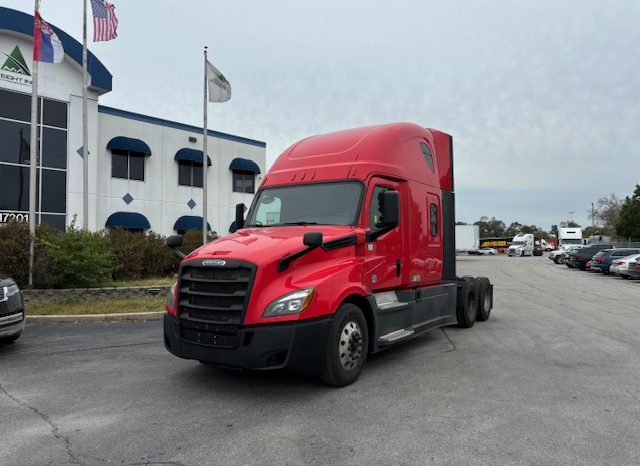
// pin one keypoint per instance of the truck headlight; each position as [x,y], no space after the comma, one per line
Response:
[292,303]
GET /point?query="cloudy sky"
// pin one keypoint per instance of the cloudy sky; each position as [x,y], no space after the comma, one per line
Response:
[542,98]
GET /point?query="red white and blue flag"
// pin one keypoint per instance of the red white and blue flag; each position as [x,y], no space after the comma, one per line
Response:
[105,22]
[47,48]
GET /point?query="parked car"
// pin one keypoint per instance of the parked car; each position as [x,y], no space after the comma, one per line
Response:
[579,257]
[561,256]
[603,259]
[11,310]
[634,269]
[488,251]
[621,266]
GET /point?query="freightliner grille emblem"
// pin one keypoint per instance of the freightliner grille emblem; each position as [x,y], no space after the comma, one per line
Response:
[214,262]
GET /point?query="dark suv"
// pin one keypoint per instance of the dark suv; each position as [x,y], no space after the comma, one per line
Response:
[579,257]
[602,260]
[11,310]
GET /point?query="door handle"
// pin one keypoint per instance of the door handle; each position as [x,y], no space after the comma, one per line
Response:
[398,267]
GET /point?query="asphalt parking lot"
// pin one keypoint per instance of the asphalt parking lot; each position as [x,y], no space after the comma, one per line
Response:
[552,378]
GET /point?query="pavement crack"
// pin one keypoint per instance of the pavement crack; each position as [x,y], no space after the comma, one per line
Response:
[94,348]
[147,463]
[453,346]
[55,429]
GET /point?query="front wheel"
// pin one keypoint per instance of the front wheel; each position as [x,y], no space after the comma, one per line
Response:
[347,347]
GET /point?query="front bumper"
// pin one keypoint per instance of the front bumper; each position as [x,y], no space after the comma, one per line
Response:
[300,345]
[11,325]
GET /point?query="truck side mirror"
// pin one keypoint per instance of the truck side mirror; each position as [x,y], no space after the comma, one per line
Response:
[174,242]
[239,216]
[390,208]
[313,239]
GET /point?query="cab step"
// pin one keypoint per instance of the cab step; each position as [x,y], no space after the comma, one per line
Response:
[396,336]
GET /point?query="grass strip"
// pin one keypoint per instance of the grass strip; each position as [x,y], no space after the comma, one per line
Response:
[141,282]
[97,306]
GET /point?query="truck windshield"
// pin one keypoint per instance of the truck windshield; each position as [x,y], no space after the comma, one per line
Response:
[309,204]
[518,243]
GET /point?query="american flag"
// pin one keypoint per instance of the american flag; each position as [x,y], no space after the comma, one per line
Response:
[105,22]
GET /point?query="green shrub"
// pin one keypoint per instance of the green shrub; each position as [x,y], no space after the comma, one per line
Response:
[193,240]
[128,253]
[14,247]
[85,258]
[160,261]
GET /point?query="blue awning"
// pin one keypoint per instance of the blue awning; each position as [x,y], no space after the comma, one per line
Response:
[191,155]
[129,220]
[245,165]
[190,222]
[130,144]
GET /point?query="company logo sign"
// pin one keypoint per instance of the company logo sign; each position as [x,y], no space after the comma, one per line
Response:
[214,262]
[15,68]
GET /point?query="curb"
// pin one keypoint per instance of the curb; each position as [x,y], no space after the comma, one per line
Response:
[133,316]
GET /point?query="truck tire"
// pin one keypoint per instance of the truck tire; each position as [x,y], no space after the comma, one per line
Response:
[467,309]
[483,292]
[347,347]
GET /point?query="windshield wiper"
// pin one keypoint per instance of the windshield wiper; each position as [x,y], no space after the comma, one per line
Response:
[298,223]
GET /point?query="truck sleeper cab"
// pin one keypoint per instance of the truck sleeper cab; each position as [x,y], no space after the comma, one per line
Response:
[347,249]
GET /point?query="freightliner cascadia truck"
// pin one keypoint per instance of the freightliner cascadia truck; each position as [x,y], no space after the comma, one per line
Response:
[347,249]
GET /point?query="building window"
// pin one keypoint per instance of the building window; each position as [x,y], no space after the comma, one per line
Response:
[51,153]
[244,181]
[126,164]
[189,173]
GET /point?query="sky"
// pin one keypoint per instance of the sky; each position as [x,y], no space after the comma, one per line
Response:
[542,98]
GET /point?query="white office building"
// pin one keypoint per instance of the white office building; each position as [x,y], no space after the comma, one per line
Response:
[145,173]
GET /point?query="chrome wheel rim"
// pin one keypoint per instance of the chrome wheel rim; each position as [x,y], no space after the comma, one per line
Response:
[487,302]
[350,345]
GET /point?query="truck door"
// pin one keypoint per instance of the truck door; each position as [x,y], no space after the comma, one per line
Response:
[384,266]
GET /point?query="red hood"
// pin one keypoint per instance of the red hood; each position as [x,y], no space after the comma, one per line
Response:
[265,245]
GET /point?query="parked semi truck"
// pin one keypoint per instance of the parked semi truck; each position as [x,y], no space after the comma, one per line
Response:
[347,249]
[569,237]
[521,245]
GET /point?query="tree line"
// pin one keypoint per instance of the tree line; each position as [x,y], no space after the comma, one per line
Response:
[610,216]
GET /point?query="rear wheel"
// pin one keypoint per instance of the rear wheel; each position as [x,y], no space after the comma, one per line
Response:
[483,291]
[347,347]
[467,309]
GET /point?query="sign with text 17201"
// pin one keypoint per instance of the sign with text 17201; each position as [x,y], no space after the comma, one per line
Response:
[6,217]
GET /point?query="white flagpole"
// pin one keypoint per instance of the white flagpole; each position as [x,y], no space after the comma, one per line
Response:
[33,163]
[204,155]
[85,134]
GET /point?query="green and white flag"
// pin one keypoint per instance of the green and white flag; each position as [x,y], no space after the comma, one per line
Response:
[219,87]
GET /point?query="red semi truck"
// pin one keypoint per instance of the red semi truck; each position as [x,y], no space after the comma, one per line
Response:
[347,249]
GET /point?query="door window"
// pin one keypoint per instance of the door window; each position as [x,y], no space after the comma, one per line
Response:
[375,212]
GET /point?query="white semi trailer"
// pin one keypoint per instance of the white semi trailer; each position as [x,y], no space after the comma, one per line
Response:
[467,237]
